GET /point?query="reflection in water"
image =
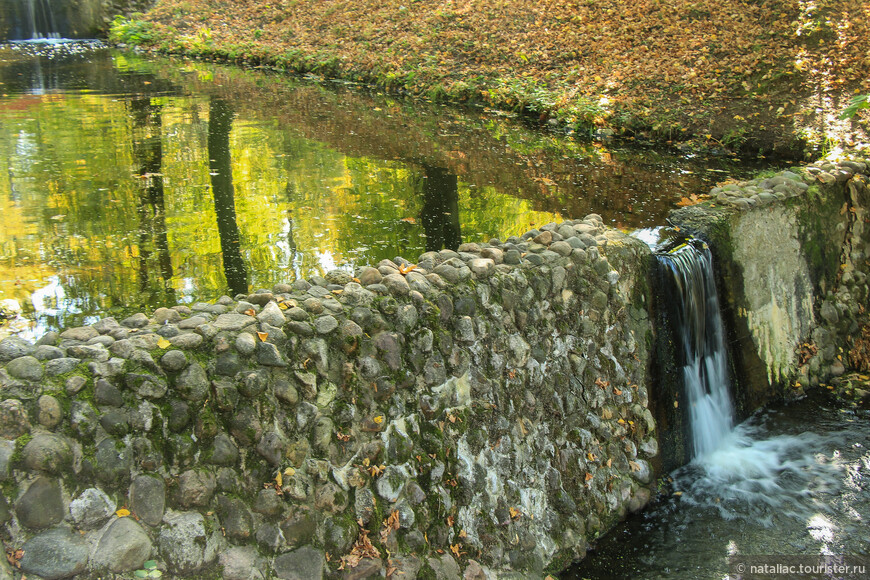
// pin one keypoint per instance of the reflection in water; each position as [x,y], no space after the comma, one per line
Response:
[220,121]
[105,192]
[148,155]
[440,212]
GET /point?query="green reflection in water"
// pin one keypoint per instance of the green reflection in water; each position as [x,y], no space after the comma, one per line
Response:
[108,201]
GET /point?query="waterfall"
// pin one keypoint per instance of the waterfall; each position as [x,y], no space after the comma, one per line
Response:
[35,20]
[40,20]
[688,273]
[739,471]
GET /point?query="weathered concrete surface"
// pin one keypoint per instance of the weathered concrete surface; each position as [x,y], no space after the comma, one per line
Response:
[792,256]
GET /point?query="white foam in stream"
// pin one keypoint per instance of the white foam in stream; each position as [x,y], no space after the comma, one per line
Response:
[739,471]
[752,476]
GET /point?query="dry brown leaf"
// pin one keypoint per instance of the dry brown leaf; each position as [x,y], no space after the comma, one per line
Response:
[362,548]
[390,525]
[14,557]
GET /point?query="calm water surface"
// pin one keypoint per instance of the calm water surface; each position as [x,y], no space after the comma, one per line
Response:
[128,184]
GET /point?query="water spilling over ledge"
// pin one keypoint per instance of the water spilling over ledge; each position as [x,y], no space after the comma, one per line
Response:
[696,319]
[59,20]
[776,484]
[736,471]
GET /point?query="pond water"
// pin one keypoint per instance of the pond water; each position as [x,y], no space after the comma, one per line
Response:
[129,183]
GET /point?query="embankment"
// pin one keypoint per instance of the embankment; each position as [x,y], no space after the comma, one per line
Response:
[731,75]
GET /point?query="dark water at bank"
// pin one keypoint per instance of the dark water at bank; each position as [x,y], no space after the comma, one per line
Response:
[819,503]
[128,184]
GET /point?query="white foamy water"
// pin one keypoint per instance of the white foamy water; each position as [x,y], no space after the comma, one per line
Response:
[704,357]
[741,472]
[752,475]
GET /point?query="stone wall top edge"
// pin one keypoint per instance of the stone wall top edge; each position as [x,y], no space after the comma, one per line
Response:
[730,198]
[577,240]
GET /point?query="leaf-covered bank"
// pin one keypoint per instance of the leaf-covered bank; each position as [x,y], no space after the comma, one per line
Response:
[752,76]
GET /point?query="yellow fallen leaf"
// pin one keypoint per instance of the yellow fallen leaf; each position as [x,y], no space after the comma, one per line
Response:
[279,479]
[289,472]
[263,336]
[122,513]
[163,343]
[379,419]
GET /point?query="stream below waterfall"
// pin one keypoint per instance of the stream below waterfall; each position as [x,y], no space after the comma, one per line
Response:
[819,504]
[790,484]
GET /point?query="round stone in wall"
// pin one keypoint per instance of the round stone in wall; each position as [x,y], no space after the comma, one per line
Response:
[184,543]
[13,419]
[56,553]
[26,368]
[123,546]
[47,452]
[41,506]
[148,499]
[91,508]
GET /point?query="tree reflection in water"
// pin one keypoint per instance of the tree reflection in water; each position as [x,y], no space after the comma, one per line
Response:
[440,212]
[220,121]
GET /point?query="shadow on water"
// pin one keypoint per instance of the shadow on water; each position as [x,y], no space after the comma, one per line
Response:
[148,156]
[112,180]
[440,212]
